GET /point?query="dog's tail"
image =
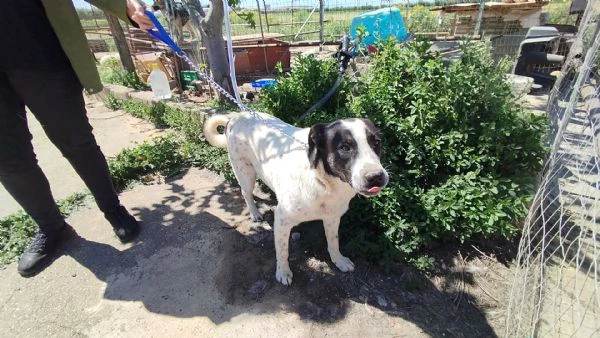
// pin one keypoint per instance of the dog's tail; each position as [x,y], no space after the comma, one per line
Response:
[211,130]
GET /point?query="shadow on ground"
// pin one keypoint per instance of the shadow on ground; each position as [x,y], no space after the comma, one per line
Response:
[214,262]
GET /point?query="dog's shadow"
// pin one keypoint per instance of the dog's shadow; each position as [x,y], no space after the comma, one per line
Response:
[188,264]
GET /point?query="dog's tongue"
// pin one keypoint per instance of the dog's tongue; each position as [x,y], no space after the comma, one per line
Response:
[374,190]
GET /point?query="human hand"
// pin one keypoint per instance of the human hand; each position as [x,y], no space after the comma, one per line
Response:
[135,11]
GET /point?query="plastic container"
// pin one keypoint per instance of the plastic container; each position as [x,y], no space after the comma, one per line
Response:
[264,83]
[381,24]
[160,85]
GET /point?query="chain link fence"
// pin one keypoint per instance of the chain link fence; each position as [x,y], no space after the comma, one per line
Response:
[555,292]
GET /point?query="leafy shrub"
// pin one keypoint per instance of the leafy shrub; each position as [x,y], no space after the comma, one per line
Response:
[112,102]
[189,144]
[160,156]
[558,13]
[302,87]
[16,230]
[203,155]
[154,113]
[188,122]
[419,19]
[111,71]
[461,153]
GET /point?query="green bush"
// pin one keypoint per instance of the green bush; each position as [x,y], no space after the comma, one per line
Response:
[462,155]
[111,71]
[154,113]
[420,19]
[16,230]
[302,87]
[112,102]
[203,155]
[189,144]
[188,122]
[161,155]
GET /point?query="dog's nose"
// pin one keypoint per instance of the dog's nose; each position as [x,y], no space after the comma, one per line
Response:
[375,179]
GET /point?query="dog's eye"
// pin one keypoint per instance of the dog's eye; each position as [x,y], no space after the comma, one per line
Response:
[376,143]
[345,147]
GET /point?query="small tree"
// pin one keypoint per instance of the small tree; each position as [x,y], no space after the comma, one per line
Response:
[210,24]
[211,30]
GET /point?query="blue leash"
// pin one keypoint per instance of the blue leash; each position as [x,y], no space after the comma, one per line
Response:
[161,34]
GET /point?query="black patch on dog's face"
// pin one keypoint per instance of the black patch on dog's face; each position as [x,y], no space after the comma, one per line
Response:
[335,146]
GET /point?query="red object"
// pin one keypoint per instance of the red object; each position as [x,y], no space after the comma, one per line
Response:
[372,49]
[250,54]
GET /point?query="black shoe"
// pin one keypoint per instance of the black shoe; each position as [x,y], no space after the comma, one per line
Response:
[125,226]
[41,250]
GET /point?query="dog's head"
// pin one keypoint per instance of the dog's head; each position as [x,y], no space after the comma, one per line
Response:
[349,149]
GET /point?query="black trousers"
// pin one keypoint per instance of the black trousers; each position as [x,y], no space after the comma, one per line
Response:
[56,99]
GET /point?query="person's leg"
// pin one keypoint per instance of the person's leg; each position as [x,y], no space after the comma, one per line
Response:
[19,172]
[56,99]
[23,179]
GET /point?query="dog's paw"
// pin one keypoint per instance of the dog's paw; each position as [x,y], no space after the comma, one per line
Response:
[344,264]
[284,275]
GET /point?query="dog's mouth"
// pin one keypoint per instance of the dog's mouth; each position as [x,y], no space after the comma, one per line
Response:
[372,191]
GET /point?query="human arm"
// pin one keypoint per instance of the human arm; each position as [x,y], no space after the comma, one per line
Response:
[126,10]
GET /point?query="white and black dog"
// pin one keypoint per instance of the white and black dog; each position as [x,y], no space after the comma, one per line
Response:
[314,172]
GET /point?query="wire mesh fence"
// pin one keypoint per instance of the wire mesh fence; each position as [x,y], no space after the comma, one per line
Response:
[300,20]
[555,292]
[320,22]
[327,20]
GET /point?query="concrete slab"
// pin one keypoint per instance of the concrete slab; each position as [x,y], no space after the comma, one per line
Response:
[114,130]
[120,92]
[144,96]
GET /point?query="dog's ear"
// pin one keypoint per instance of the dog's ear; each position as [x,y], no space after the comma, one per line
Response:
[316,143]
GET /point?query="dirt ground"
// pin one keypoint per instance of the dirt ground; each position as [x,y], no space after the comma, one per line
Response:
[201,267]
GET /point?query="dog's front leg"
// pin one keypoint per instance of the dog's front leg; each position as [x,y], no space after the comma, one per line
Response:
[282,238]
[331,232]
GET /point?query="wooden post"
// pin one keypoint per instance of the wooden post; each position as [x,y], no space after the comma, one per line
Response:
[321,24]
[479,18]
[120,42]
[454,25]
[262,34]
[266,17]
